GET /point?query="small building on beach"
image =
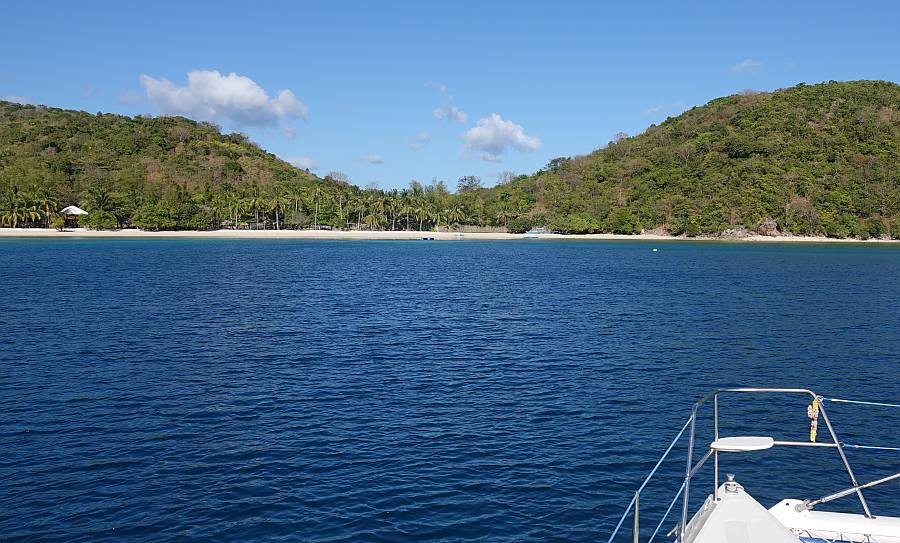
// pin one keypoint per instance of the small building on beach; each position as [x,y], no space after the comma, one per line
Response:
[71,213]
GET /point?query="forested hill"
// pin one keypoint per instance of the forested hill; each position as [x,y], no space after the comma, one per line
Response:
[811,159]
[40,145]
[816,159]
[114,164]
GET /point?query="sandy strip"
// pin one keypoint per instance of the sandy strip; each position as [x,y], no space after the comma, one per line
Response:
[384,235]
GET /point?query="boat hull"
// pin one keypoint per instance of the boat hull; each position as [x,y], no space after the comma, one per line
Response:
[815,526]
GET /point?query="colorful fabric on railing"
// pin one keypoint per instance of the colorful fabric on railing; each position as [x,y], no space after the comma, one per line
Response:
[813,413]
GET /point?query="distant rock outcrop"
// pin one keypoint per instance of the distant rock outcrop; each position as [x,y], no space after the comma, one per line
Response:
[736,233]
[768,228]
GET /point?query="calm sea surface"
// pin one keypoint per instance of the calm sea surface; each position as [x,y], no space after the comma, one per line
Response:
[235,390]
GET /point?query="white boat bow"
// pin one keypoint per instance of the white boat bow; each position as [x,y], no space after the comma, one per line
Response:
[731,515]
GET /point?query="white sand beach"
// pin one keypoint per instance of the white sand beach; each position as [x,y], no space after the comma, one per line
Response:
[133,233]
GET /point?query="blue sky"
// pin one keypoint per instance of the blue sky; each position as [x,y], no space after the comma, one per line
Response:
[393,91]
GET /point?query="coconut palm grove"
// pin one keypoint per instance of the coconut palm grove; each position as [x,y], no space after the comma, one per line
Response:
[819,159]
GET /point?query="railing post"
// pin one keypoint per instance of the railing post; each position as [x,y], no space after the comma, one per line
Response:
[637,526]
[687,475]
[716,452]
[846,462]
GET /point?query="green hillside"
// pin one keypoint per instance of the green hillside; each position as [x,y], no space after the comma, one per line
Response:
[816,159]
[813,159]
[124,168]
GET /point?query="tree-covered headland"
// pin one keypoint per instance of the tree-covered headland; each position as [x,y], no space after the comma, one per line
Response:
[814,159]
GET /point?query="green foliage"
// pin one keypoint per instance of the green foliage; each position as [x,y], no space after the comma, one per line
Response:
[155,216]
[817,159]
[837,225]
[58,222]
[520,225]
[576,223]
[623,221]
[99,220]
[686,225]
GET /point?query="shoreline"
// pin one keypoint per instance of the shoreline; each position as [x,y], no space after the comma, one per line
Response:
[398,235]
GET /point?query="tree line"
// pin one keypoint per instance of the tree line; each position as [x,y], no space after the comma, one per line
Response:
[165,173]
[813,159]
[284,205]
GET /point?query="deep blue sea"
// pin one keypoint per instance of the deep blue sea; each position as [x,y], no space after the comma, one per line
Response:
[238,390]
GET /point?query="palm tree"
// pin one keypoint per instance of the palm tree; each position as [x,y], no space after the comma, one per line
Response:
[11,216]
[47,203]
[376,208]
[420,212]
[277,204]
[219,208]
[435,216]
[406,209]
[325,202]
[358,204]
[455,215]
[237,207]
[405,206]
[392,204]
[296,194]
[255,201]
[341,221]
[314,199]
[371,220]
[100,197]
[32,214]
[16,214]
[18,208]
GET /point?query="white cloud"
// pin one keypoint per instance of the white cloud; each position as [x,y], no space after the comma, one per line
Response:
[493,135]
[371,159]
[211,96]
[437,85]
[650,111]
[18,100]
[422,139]
[289,132]
[303,162]
[747,66]
[451,113]
[130,97]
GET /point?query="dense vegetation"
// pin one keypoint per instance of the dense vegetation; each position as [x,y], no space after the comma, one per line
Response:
[174,173]
[815,159]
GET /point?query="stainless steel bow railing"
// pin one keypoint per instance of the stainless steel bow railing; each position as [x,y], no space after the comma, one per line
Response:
[691,469]
[635,501]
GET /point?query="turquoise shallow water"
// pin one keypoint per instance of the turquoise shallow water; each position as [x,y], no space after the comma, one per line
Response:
[229,390]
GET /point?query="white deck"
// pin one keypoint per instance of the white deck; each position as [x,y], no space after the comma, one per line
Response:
[733,516]
[736,518]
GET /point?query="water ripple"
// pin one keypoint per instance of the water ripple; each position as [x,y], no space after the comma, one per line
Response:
[232,390]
